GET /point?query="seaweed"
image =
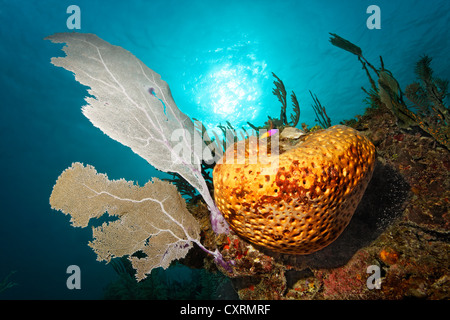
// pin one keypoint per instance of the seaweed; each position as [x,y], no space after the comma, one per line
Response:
[280,92]
[184,188]
[427,95]
[278,123]
[6,283]
[391,96]
[321,114]
[352,48]
[345,44]
[296,116]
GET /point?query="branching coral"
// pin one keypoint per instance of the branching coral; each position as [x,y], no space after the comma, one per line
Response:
[430,92]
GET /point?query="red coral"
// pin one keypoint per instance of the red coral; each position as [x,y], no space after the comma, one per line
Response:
[399,137]
[346,282]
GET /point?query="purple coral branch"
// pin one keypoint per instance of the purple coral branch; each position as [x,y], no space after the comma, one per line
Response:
[218,258]
[218,223]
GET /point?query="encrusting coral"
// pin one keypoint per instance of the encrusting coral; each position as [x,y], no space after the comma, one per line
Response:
[305,203]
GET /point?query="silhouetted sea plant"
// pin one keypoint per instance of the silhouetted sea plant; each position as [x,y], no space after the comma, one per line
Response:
[200,284]
[280,92]
[352,48]
[6,283]
[428,95]
[321,114]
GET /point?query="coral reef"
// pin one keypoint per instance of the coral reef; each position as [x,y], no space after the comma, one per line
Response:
[413,251]
[305,203]
[401,225]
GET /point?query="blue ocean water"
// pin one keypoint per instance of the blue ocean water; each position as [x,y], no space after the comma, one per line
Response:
[217,57]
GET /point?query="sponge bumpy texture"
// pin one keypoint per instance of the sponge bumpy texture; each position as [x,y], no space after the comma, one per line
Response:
[305,204]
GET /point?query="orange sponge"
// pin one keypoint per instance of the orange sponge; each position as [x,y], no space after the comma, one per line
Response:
[307,201]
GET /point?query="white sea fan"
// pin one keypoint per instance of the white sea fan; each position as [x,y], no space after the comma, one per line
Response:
[132,105]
